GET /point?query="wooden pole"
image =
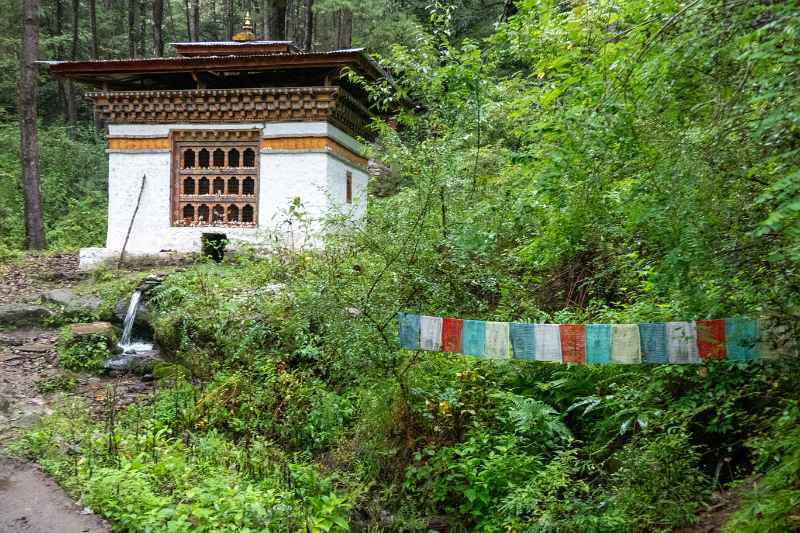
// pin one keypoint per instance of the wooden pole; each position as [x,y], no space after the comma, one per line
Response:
[130,226]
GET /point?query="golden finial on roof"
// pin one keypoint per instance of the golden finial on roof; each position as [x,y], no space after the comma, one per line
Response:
[247,30]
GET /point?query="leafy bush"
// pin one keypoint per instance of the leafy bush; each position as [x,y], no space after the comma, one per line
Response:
[144,478]
[85,352]
[73,182]
[470,478]
[65,382]
[657,483]
[774,501]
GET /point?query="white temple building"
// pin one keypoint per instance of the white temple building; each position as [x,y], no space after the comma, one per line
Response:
[223,138]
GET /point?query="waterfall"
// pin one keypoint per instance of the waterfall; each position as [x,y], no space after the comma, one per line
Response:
[127,328]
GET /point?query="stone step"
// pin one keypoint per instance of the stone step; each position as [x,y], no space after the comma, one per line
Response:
[23,315]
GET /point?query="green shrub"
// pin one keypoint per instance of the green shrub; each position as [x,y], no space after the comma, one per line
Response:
[657,484]
[82,353]
[141,476]
[773,504]
[470,478]
[64,382]
[561,497]
[73,174]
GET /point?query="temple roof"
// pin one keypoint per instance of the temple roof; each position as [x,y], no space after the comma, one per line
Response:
[207,48]
[239,62]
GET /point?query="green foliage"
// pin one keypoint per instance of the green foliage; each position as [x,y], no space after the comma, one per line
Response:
[82,353]
[772,504]
[73,184]
[658,482]
[608,162]
[144,476]
[470,477]
[61,382]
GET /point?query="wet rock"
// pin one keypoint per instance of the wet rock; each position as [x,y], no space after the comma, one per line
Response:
[28,420]
[149,283]
[88,332]
[274,288]
[71,301]
[142,315]
[136,362]
[18,315]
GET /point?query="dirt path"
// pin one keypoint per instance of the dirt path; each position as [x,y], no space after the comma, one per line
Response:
[28,359]
[30,502]
[22,281]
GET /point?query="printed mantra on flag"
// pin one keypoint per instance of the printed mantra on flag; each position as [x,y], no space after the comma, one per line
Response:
[733,339]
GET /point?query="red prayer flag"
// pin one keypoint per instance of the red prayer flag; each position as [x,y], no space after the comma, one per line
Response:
[711,339]
[573,343]
[451,334]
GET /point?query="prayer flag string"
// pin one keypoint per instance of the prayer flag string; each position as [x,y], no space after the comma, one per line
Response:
[733,339]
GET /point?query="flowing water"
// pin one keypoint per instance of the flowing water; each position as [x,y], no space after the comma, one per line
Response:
[126,343]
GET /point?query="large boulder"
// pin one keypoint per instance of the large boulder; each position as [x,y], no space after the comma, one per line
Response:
[71,301]
[22,315]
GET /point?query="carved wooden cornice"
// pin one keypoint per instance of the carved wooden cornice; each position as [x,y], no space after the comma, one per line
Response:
[321,144]
[278,104]
[204,136]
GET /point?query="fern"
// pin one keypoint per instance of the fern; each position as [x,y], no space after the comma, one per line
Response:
[534,419]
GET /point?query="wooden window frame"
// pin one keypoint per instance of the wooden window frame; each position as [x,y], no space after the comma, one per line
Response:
[212,140]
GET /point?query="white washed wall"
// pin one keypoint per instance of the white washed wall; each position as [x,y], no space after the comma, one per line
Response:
[337,188]
[317,178]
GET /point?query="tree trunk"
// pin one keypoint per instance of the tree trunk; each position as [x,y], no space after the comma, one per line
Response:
[260,19]
[218,25]
[509,10]
[76,5]
[158,27]
[194,17]
[62,90]
[131,28]
[188,20]
[34,226]
[344,28]
[308,35]
[142,29]
[228,7]
[93,24]
[72,106]
[275,15]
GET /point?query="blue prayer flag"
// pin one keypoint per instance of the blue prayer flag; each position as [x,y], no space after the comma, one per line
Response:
[473,337]
[598,343]
[522,341]
[741,339]
[408,326]
[653,337]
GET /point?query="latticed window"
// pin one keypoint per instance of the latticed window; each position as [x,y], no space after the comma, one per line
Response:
[215,177]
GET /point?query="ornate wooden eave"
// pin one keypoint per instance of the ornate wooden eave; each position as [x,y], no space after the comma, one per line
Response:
[98,72]
[279,104]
